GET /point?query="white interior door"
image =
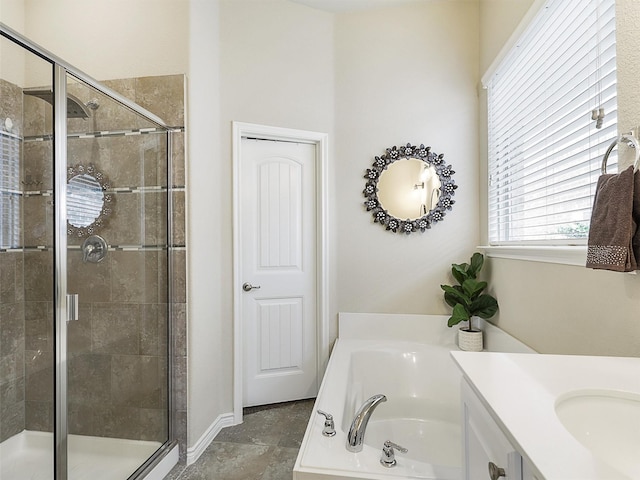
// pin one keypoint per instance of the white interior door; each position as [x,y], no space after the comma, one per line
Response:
[278,249]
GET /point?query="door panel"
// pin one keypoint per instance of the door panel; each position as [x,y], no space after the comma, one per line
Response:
[280,214]
[280,335]
[278,249]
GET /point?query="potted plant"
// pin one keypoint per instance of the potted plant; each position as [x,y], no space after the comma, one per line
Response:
[468,301]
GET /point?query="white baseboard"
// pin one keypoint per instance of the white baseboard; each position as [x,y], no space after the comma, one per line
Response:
[194,452]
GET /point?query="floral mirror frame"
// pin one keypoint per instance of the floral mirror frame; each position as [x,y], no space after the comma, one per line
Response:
[107,199]
[435,215]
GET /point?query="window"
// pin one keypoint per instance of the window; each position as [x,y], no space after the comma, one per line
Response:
[9,190]
[552,115]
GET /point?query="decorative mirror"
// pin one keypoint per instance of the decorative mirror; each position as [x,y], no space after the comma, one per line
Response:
[409,189]
[88,204]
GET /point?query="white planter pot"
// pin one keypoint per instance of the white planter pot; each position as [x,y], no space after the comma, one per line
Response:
[470,340]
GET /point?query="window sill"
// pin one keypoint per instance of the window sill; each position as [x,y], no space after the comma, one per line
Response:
[564,255]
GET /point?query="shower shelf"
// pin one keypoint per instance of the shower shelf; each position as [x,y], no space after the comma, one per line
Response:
[111,248]
[102,133]
[147,189]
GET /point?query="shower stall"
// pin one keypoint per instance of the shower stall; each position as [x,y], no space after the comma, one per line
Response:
[87,248]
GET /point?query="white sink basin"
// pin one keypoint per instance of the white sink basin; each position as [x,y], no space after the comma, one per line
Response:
[606,422]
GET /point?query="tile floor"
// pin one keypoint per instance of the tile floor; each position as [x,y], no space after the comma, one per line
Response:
[263,447]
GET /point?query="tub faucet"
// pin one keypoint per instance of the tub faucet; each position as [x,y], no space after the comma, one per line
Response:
[355,438]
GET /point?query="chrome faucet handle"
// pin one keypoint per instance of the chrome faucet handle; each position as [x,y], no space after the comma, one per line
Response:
[329,429]
[388,457]
[88,250]
[94,249]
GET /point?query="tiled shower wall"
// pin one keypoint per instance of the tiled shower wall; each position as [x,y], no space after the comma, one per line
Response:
[12,326]
[117,349]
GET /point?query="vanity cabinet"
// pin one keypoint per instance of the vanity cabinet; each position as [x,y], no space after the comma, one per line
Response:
[510,415]
[488,454]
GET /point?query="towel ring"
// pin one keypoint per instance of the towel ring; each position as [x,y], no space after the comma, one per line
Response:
[630,140]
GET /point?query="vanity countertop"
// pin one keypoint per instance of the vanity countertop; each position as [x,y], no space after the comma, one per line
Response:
[520,391]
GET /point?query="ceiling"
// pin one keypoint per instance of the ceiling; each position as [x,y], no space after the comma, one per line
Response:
[342,6]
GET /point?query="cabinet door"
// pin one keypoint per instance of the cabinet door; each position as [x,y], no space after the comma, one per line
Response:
[484,442]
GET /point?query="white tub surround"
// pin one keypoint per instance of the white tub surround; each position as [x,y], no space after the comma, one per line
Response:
[521,393]
[407,358]
[431,329]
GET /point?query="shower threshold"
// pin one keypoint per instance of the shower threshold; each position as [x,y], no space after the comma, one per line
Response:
[29,455]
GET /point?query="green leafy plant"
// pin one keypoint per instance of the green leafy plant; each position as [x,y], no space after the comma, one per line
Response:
[575,230]
[467,298]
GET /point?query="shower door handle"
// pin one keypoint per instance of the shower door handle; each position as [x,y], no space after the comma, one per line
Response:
[73,306]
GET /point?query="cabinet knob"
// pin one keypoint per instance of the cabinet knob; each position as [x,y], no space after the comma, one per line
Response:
[495,472]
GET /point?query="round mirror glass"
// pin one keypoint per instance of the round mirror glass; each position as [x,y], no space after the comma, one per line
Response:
[409,188]
[85,200]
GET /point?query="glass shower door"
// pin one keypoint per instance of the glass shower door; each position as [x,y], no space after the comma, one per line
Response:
[27,309]
[117,266]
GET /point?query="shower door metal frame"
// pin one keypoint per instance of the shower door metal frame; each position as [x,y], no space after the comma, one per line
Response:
[60,430]
[60,71]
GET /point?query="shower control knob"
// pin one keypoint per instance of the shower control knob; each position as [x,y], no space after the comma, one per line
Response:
[247,287]
[94,249]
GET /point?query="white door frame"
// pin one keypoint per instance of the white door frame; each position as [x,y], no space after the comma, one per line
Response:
[321,141]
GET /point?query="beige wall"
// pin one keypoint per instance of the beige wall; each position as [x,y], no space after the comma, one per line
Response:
[405,74]
[628,63]
[560,308]
[498,19]
[276,63]
[209,305]
[114,39]
[11,59]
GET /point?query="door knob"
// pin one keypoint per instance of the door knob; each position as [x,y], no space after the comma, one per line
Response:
[247,287]
[495,472]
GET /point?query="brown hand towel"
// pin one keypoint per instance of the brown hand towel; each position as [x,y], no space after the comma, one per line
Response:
[636,218]
[612,227]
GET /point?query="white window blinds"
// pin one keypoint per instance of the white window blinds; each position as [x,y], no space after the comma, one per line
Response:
[9,190]
[545,149]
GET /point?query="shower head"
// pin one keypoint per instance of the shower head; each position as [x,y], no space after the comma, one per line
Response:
[75,107]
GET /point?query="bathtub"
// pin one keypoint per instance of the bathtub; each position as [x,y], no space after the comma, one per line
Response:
[407,358]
